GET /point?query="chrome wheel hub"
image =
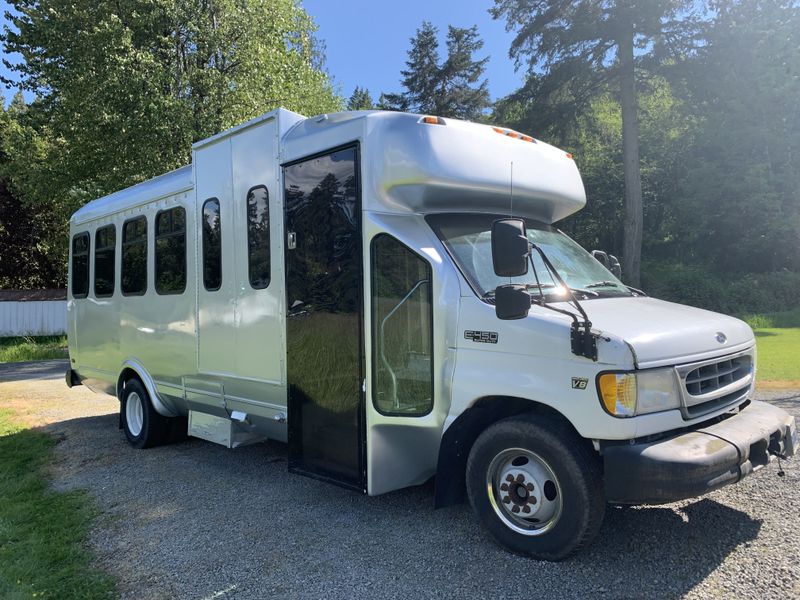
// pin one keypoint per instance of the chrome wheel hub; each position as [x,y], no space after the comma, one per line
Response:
[524,491]
[134,413]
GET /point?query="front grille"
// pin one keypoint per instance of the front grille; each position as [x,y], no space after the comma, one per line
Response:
[714,384]
[710,378]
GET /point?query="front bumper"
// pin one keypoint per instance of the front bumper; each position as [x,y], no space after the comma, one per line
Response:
[696,462]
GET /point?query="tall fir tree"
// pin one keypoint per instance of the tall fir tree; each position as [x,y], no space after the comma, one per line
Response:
[573,48]
[453,88]
[360,99]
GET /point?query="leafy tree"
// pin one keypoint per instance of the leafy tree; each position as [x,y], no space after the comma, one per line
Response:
[452,88]
[740,201]
[27,261]
[360,100]
[123,88]
[572,48]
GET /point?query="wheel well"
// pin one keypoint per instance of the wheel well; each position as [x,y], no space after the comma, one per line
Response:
[457,441]
[126,375]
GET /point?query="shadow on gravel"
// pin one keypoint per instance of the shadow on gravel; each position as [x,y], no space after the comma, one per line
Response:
[194,519]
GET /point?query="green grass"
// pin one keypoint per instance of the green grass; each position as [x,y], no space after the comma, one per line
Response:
[21,349]
[778,354]
[42,532]
[778,341]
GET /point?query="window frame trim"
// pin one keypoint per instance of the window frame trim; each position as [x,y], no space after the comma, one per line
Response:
[112,226]
[88,237]
[203,244]
[185,250]
[146,253]
[373,320]
[269,239]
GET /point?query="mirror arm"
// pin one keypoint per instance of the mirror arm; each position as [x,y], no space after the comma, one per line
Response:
[581,338]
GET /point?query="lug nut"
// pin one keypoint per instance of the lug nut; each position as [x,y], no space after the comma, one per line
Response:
[526,509]
[506,499]
[529,487]
[532,500]
[520,478]
[515,509]
[509,478]
[504,487]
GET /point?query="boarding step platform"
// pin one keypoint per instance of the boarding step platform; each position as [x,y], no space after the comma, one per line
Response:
[231,433]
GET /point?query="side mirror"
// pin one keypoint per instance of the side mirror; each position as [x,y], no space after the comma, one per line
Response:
[602,258]
[509,248]
[511,302]
[614,266]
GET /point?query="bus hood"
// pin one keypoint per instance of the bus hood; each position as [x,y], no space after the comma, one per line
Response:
[664,333]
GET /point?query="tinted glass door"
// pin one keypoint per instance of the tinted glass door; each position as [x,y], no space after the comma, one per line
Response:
[324,300]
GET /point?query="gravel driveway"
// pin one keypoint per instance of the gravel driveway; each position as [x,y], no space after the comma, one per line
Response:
[195,520]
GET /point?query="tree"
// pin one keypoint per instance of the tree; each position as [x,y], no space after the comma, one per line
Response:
[123,88]
[452,88]
[740,200]
[360,100]
[573,48]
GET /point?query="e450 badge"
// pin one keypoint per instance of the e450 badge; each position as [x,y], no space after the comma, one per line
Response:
[483,337]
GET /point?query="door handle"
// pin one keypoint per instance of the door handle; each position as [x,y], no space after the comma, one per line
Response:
[291,240]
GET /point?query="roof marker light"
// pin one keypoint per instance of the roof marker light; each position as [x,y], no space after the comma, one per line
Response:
[432,120]
[513,134]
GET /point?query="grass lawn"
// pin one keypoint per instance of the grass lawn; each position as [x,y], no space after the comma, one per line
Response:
[42,532]
[779,356]
[21,349]
[778,341]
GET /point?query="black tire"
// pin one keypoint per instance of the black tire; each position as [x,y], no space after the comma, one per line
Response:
[153,430]
[576,517]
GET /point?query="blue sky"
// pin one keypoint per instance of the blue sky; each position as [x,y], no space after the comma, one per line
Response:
[366,40]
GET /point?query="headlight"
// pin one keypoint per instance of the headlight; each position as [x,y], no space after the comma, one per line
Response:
[638,393]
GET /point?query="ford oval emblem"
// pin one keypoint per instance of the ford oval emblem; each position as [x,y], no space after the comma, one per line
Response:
[721,337]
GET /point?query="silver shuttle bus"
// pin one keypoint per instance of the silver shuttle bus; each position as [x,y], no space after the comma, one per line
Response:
[387,294]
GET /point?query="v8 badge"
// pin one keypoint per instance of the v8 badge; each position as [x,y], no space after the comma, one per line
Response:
[579,383]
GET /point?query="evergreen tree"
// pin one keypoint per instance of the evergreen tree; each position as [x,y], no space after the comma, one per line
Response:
[452,88]
[574,47]
[360,100]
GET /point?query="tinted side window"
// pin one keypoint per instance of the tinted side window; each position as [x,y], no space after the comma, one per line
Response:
[402,325]
[134,256]
[105,240]
[258,237]
[80,265]
[171,251]
[212,246]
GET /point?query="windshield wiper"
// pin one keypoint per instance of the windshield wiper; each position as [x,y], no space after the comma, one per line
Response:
[602,284]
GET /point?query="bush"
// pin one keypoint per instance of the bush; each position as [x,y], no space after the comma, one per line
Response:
[747,294]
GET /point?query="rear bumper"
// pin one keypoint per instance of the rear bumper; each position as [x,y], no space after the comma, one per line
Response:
[696,462]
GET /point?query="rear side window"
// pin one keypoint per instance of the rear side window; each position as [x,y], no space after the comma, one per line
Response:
[258,237]
[171,251]
[105,241]
[212,246]
[134,257]
[80,265]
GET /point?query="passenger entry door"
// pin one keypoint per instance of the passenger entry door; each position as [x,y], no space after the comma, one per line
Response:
[324,355]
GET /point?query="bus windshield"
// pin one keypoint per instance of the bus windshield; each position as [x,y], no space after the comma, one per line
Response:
[467,238]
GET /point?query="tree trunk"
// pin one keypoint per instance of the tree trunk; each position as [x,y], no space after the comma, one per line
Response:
[632,242]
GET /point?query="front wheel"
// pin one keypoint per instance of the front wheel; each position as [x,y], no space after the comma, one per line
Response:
[143,426]
[536,487]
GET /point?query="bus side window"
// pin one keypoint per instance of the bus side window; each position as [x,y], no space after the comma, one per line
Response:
[258,267]
[212,246]
[105,241]
[80,265]
[134,257]
[171,251]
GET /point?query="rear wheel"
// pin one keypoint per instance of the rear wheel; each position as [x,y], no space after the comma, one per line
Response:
[143,425]
[535,487]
